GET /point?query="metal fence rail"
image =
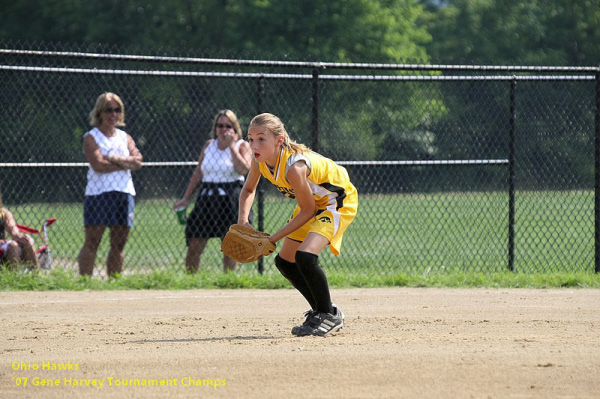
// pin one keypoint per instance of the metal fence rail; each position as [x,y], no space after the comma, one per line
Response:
[458,167]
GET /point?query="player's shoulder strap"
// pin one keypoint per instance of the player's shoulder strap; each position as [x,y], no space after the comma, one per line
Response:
[297,157]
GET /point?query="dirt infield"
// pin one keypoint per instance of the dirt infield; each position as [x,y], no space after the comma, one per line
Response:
[412,343]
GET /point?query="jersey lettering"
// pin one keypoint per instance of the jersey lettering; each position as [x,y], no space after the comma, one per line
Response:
[286,191]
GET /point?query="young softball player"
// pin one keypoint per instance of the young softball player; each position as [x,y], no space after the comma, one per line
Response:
[326,204]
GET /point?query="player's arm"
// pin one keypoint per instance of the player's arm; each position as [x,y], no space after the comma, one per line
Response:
[195,180]
[97,161]
[133,161]
[247,194]
[297,178]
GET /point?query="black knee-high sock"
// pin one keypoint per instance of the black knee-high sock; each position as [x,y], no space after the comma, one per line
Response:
[291,272]
[315,278]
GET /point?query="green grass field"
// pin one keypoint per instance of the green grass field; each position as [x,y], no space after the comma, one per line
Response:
[419,234]
[59,279]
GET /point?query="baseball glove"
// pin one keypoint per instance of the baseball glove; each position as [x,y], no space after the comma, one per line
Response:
[245,245]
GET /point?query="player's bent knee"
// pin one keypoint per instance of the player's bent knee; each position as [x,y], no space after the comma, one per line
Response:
[306,260]
[285,267]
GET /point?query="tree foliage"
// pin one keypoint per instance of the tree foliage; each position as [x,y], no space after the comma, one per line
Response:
[557,32]
[539,32]
[346,30]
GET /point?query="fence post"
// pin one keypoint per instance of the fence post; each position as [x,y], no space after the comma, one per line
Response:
[315,110]
[597,176]
[261,191]
[511,176]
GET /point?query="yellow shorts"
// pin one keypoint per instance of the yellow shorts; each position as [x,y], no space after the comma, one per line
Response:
[331,223]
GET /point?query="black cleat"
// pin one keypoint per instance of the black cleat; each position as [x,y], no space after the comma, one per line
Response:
[320,323]
[304,328]
[329,323]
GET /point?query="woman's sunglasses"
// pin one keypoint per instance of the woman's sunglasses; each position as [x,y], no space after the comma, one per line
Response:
[110,110]
[222,126]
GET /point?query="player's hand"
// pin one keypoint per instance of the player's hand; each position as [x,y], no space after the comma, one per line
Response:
[245,224]
[245,245]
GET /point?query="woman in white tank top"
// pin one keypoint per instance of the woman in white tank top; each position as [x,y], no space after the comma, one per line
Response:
[112,155]
[223,162]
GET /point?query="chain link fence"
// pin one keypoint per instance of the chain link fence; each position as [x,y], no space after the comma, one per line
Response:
[471,168]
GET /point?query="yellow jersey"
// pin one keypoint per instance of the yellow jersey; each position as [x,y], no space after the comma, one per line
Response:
[335,196]
[329,182]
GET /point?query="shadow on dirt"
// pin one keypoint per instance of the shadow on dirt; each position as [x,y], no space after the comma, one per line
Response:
[216,339]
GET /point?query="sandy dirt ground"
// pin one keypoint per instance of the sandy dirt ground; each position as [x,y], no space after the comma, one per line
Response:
[396,343]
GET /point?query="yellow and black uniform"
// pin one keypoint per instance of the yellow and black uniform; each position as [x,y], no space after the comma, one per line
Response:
[335,196]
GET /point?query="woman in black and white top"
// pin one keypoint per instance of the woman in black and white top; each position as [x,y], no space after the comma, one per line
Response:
[224,161]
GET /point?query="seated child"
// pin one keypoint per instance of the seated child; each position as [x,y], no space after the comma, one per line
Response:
[18,250]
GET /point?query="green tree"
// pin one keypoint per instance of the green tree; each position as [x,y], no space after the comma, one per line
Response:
[345,30]
[555,119]
[549,32]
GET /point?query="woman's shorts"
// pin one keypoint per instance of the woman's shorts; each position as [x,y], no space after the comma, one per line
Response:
[113,208]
